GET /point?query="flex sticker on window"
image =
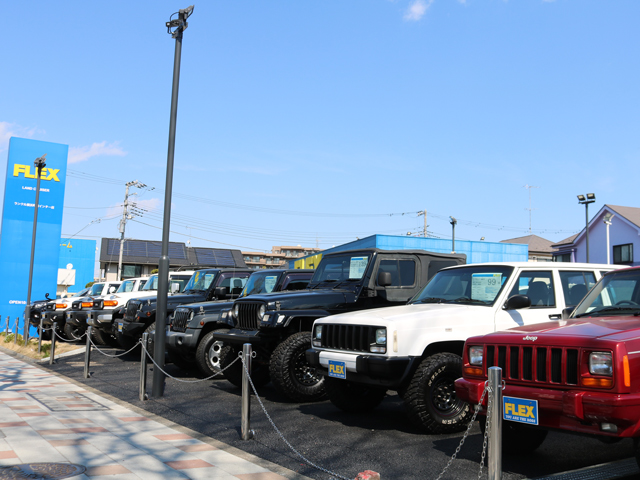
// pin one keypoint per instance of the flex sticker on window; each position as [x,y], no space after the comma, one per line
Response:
[357,266]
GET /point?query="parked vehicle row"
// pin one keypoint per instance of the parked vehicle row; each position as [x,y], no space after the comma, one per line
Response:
[369,321]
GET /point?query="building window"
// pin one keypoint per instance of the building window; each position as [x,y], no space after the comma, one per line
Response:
[131,271]
[623,254]
[565,257]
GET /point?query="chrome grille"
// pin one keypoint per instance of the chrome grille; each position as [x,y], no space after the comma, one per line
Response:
[132,309]
[180,319]
[248,315]
[550,365]
[354,338]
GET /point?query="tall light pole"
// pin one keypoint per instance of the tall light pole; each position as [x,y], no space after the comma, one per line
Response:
[39,164]
[591,197]
[607,222]
[453,234]
[179,25]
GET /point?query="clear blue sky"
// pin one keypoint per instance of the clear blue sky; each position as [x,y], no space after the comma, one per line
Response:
[312,122]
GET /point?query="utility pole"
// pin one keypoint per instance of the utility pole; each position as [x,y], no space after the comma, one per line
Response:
[424,214]
[529,187]
[178,25]
[123,223]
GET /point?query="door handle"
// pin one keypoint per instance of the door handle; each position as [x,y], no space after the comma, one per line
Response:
[555,316]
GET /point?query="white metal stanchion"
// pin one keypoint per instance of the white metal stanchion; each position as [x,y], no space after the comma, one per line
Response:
[87,353]
[40,336]
[15,331]
[495,437]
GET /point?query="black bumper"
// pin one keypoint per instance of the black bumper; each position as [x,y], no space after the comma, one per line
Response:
[239,337]
[132,329]
[183,341]
[100,318]
[77,319]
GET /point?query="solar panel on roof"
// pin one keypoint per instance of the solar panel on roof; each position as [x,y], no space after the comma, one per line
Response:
[142,248]
[213,256]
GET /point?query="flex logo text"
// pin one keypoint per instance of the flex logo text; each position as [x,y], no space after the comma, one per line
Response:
[525,411]
[46,174]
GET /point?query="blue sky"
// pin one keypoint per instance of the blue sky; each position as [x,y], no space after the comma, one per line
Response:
[314,123]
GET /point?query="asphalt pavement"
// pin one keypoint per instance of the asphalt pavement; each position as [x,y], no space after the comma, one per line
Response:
[383,440]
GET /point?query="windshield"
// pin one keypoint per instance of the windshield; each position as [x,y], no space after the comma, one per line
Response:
[126,286]
[152,283]
[339,268]
[96,289]
[181,279]
[472,285]
[200,281]
[260,283]
[615,294]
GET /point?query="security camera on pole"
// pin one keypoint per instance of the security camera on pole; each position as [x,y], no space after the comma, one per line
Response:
[179,25]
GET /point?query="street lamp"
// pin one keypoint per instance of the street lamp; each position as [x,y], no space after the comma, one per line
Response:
[453,236]
[178,25]
[607,222]
[39,164]
[591,197]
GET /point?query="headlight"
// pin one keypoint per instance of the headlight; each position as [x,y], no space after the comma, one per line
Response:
[381,336]
[191,315]
[601,363]
[317,336]
[475,355]
[234,311]
[262,311]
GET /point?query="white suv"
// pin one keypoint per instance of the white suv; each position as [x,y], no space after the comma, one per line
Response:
[416,349]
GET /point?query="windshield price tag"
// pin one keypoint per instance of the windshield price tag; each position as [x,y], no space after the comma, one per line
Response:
[485,286]
[357,266]
[269,284]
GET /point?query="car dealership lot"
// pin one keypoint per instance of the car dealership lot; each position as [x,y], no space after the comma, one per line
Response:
[383,440]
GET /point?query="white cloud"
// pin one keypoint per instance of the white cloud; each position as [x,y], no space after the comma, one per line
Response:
[8,130]
[417,9]
[80,154]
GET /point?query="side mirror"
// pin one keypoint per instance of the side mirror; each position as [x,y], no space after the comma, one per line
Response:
[566,312]
[517,302]
[220,293]
[384,279]
[175,287]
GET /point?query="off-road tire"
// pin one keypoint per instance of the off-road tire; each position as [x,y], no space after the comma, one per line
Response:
[125,341]
[46,335]
[353,397]
[517,438]
[98,337]
[291,374]
[208,353]
[259,372]
[72,333]
[431,400]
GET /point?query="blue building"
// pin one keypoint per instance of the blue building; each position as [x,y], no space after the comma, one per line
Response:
[476,251]
[76,265]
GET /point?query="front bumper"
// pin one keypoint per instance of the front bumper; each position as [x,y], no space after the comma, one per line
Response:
[100,318]
[181,341]
[238,336]
[380,370]
[77,318]
[131,329]
[52,316]
[581,411]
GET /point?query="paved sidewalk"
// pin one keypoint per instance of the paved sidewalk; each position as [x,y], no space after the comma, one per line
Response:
[45,418]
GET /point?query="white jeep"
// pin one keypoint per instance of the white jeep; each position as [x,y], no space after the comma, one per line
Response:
[416,349]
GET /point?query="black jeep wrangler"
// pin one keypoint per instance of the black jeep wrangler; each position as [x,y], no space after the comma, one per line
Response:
[278,325]
[204,285]
[190,337]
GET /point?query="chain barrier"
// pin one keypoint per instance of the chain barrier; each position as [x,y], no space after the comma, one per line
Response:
[277,430]
[117,355]
[180,379]
[69,341]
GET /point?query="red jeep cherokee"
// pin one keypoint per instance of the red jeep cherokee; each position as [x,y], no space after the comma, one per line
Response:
[581,374]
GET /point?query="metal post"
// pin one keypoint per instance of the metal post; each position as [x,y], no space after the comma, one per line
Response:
[6,331]
[586,210]
[87,353]
[245,427]
[40,336]
[39,164]
[15,331]
[52,353]
[494,463]
[157,389]
[143,367]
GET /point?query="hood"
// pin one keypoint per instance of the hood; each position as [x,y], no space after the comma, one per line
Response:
[409,313]
[171,299]
[208,307]
[615,328]
[303,299]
